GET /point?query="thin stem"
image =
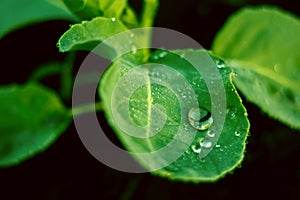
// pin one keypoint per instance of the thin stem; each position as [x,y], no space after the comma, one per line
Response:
[44,71]
[87,108]
[147,18]
[149,12]
[67,76]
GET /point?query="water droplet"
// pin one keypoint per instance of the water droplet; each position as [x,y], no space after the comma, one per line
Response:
[276,68]
[231,113]
[113,19]
[206,143]
[196,149]
[237,133]
[163,54]
[133,48]
[211,134]
[218,146]
[200,118]
[245,114]
[155,57]
[220,64]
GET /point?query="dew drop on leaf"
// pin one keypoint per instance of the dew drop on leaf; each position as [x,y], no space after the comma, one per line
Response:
[113,19]
[220,64]
[196,148]
[237,133]
[206,143]
[163,54]
[211,134]
[231,113]
[200,118]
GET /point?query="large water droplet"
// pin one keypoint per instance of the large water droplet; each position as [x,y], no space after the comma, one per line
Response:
[113,19]
[220,64]
[200,118]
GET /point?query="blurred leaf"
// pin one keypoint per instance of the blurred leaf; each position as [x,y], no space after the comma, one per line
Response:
[32,117]
[15,14]
[88,9]
[262,45]
[144,113]
[84,9]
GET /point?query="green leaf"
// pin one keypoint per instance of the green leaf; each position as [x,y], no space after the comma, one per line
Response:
[89,34]
[145,110]
[88,9]
[15,13]
[32,117]
[261,44]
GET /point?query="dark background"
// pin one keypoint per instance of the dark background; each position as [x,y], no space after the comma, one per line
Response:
[270,170]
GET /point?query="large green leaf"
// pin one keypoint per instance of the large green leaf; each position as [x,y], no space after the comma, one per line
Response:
[262,45]
[145,110]
[15,13]
[88,34]
[32,117]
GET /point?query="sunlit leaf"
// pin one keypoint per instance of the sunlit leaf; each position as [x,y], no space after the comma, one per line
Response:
[145,109]
[262,45]
[15,14]
[32,118]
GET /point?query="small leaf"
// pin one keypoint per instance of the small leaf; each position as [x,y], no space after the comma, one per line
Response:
[150,98]
[15,13]
[32,117]
[84,9]
[262,46]
[89,9]
[113,8]
[89,34]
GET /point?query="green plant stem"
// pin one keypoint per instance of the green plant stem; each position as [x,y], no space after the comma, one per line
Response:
[149,12]
[87,108]
[45,71]
[147,19]
[66,80]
